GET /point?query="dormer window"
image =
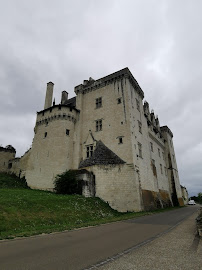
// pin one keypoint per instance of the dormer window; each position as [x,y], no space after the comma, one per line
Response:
[89,151]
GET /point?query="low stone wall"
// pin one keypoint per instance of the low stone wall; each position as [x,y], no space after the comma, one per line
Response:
[199,222]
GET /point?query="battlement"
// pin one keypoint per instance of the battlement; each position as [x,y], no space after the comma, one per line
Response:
[91,84]
[59,106]
[166,129]
[8,148]
[59,116]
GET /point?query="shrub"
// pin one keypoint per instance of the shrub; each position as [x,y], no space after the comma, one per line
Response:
[12,181]
[66,183]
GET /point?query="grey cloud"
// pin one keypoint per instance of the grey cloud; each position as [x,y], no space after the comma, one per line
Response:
[69,41]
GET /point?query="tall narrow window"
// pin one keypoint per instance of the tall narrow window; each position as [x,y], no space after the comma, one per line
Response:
[151,147]
[140,126]
[138,104]
[67,132]
[89,151]
[163,156]
[161,168]
[165,171]
[159,152]
[45,134]
[140,149]
[99,125]
[120,140]
[98,102]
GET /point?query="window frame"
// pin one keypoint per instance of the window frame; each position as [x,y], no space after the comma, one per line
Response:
[89,150]
[98,102]
[98,125]
[140,126]
[151,146]
[138,104]
[139,150]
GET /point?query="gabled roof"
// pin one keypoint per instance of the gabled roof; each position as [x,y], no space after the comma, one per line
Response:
[102,155]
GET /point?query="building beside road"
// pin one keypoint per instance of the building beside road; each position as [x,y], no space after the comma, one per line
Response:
[108,133]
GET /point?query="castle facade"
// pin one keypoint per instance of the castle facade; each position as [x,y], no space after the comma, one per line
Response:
[106,131]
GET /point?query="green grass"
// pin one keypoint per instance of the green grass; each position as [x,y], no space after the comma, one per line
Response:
[25,212]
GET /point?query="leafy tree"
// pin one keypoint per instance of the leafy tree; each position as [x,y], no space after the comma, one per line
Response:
[200,197]
[67,183]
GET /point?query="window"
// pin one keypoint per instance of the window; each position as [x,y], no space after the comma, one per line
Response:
[140,149]
[163,156]
[99,125]
[165,171]
[89,151]
[159,152]
[9,165]
[118,100]
[138,104]
[161,168]
[98,102]
[45,134]
[67,132]
[151,146]
[173,158]
[140,126]
[120,140]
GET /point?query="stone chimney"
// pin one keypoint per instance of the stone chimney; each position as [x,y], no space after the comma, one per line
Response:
[49,95]
[64,97]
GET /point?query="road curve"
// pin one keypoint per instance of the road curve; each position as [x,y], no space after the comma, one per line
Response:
[79,249]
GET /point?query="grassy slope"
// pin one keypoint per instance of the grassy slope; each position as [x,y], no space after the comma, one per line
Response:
[25,212]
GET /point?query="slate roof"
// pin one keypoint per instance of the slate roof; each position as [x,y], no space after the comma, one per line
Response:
[71,102]
[102,155]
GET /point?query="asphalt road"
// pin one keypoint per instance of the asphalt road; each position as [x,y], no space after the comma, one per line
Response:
[80,249]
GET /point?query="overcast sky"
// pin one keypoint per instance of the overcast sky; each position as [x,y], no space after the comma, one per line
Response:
[65,42]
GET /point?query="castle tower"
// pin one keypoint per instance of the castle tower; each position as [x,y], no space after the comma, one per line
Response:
[49,95]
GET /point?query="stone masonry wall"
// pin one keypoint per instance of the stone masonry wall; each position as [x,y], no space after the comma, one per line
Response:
[5,156]
[117,185]
[52,147]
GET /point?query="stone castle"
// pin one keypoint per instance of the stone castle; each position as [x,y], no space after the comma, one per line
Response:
[124,156]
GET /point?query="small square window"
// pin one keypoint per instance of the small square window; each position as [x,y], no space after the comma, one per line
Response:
[99,125]
[98,102]
[118,100]
[67,132]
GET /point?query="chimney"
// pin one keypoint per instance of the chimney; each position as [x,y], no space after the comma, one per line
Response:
[49,95]
[64,97]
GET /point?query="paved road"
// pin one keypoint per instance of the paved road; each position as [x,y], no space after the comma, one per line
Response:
[79,249]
